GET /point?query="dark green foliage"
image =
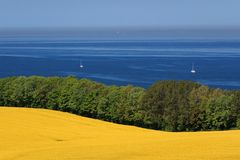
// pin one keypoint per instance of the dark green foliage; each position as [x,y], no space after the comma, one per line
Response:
[219,113]
[166,105]
[236,104]
[82,97]
[188,106]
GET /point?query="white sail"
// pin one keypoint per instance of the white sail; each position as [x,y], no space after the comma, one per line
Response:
[81,65]
[193,70]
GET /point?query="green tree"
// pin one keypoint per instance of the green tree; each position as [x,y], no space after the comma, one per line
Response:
[166,105]
[219,112]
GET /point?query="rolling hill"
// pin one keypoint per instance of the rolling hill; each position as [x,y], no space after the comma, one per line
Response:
[39,134]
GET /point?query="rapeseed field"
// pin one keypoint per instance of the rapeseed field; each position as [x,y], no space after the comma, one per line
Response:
[39,134]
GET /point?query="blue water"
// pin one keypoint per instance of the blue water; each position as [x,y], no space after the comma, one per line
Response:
[122,62]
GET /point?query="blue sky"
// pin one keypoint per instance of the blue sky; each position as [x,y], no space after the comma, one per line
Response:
[119,13]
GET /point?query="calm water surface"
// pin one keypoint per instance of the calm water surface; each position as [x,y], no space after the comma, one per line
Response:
[122,62]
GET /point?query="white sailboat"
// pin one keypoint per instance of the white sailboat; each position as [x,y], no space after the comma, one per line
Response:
[193,70]
[81,65]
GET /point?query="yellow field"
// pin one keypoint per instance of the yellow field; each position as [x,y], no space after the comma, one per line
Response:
[38,134]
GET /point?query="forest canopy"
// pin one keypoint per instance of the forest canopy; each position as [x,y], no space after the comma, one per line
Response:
[166,105]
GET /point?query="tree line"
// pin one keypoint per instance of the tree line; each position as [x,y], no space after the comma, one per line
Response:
[166,105]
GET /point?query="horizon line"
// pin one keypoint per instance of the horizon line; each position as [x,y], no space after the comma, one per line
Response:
[124,28]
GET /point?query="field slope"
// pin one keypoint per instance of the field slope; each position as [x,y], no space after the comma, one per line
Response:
[38,134]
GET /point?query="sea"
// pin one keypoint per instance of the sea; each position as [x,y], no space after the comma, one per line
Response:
[124,61]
